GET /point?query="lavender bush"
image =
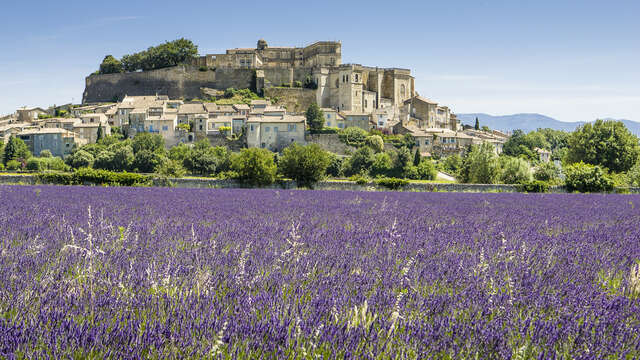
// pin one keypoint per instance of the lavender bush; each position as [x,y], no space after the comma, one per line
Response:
[91,272]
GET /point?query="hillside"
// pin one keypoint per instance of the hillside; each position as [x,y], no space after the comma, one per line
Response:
[531,122]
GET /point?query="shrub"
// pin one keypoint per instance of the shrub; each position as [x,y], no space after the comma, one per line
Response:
[480,165]
[392,183]
[297,84]
[514,170]
[35,164]
[56,178]
[46,153]
[353,136]
[548,172]
[375,142]
[382,164]
[426,170]
[254,166]
[203,68]
[14,165]
[80,158]
[335,166]
[587,178]
[304,164]
[104,177]
[170,168]
[325,130]
[633,175]
[359,162]
[536,186]
[360,179]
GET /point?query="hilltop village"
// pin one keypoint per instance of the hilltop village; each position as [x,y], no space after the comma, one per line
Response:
[349,95]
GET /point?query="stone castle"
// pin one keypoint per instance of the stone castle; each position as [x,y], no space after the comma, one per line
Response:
[343,87]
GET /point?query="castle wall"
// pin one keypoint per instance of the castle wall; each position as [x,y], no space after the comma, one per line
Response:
[293,99]
[176,82]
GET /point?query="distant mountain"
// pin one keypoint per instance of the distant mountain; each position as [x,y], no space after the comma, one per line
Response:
[531,122]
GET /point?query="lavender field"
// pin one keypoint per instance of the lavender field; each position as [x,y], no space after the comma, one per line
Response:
[90,272]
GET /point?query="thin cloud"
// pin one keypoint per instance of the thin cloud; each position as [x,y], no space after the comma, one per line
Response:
[121,18]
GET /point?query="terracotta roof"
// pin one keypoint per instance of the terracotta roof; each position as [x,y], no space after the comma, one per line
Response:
[46,131]
[192,109]
[278,119]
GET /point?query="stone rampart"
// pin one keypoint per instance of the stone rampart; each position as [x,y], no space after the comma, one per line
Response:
[183,81]
[293,99]
[331,143]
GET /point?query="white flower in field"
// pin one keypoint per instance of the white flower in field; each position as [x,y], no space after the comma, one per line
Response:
[217,342]
[634,279]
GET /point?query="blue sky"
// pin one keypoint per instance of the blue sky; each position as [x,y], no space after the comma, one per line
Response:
[572,60]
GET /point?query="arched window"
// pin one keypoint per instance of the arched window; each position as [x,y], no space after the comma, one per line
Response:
[337,82]
[402,91]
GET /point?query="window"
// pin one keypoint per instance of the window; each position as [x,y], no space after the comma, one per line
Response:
[267,129]
[200,127]
[165,128]
[251,127]
[337,83]
[426,141]
[402,91]
[328,123]
[356,77]
[292,127]
[275,129]
[365,102]
[417,142]
[340,125]
[328,116]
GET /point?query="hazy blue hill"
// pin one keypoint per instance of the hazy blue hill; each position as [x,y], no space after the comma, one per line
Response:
[530,122]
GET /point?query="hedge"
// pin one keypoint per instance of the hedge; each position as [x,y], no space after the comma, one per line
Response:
[94,176]
[392,183]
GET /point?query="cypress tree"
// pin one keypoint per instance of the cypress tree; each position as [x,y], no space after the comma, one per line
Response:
[477,127]
[416,158]
[99,135]
[15,149]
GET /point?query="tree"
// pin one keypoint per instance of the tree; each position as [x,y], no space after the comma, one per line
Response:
[110,65]
[206,160]
[147,141]
[80,158]
[170,168]
[99,134]
[477,126]
[523,145]
[480,165]
[382,165]
[426,170]
[417,158]
[359,162]
[605,143]
[122,159]
[375,142]
[146,161]
[587,178]
[304,164]
[403,163]
[170,53]
[547,171]
[452,164]
[335,166]
[315,117]
[254,166]
[514,170]
[15,149]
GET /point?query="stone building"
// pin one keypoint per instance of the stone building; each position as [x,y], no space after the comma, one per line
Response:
[322,53]
[59,141]
[275,132]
